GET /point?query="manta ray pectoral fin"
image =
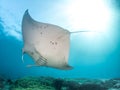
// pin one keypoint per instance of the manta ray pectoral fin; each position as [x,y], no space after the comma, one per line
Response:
[67,67]
[29,66]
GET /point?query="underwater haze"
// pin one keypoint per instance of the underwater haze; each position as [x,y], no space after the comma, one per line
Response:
[94,54]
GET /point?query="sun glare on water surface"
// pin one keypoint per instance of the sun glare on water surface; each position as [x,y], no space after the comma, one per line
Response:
[88,14]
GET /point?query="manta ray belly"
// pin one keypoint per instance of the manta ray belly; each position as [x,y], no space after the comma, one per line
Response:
[47,44]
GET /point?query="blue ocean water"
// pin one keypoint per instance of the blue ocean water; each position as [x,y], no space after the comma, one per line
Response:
[92,54]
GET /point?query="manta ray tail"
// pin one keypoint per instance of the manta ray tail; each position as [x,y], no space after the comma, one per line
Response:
[79,32]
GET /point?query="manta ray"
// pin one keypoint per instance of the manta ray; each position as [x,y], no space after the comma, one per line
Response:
[47,44]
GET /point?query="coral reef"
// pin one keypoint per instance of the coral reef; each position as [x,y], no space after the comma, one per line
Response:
[50,83]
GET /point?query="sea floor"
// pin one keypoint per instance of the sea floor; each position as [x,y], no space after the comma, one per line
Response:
[50,83]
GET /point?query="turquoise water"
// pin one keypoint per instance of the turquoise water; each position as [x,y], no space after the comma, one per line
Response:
[92,54]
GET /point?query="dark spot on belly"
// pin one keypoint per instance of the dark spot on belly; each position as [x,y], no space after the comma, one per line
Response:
[55,43]
[52,43]
[44,27]
[41,33]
